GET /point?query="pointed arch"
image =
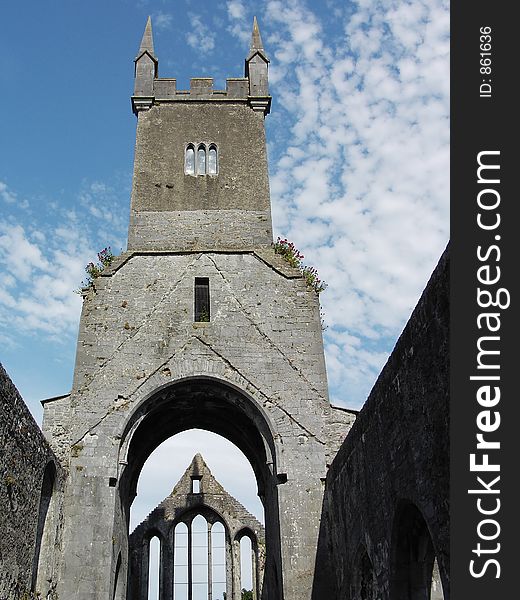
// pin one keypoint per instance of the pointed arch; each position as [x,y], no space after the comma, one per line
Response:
[217,406]
[412,555]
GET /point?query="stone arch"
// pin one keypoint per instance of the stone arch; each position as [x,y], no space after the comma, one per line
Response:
[412,555]
[45,532]
[212,405]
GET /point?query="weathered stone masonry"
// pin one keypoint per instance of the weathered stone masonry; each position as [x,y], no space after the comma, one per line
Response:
[391,475]
[29,528]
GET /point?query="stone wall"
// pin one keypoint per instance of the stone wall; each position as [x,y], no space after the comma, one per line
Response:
[27,465]
[393,463]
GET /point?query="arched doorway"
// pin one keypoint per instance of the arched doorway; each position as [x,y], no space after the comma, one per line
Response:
[413,557]
[211,405]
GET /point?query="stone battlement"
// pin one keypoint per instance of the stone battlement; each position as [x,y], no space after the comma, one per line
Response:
[201,88]
[149,89]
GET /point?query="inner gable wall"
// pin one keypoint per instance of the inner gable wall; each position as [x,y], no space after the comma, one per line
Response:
[264,334]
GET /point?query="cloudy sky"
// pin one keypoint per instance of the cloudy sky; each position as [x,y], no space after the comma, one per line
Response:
[358,149]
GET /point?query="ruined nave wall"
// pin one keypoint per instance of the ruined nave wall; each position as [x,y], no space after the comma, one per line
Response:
[24,458]
[395,456]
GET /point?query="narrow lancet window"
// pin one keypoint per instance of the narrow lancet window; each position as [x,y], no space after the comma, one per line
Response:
[180,563]
[201,160]
[246,564]
[212,161]
[199,558]
[154,567]
[218,560]
[189,161]
[202,304]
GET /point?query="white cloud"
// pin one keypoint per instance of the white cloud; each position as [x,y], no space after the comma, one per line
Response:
[363,187]
[6,194]
[200,37]
[41,268]
[239,25]
[236,9]
[10,197]
[162,21]
[21,257]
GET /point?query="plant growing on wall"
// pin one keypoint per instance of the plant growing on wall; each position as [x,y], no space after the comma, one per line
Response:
[294,257]
[94,270]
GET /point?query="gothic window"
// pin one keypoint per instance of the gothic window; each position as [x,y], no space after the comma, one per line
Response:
[247,560]
[189,160]
[154,568]
[202,304]
[212,160]
[199,557]
[180,562]
[201,160]
[199,560]
[218,560]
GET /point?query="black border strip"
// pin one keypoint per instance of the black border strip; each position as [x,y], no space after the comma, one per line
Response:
[484,120]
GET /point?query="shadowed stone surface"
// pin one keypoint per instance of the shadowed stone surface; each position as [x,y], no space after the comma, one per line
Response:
[24,457]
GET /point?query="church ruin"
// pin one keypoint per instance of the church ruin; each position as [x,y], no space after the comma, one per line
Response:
[200,324]
[199,527]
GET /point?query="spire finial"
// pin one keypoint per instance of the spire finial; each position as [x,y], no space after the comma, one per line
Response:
[256,40]
[147,41]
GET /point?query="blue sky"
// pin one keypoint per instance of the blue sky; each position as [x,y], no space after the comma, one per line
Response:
[358,149]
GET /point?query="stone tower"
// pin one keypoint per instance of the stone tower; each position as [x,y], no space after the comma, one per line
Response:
[199,324]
